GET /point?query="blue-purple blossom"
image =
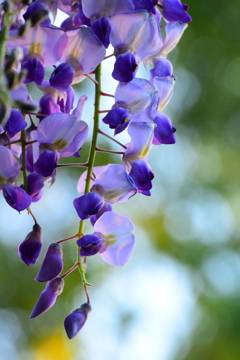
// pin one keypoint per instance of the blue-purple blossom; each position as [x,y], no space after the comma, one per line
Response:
[46,163]
[35,185]
[174,32]
[29,250]
[52,264]
[118,119]
[125,67]
[48,296]
[76,320]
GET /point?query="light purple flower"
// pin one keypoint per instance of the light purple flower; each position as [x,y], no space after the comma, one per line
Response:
[136,32]
[45,43]
[65,133]
[116,231]
[96,9]
[141,134]
[84,50]
[9,167]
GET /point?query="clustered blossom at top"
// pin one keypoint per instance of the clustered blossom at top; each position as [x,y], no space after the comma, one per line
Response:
[134,29]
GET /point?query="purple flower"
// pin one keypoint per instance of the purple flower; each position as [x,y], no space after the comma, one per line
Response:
[16,197]
[112,183]
[116,231]
[62,77]
[125,67]
[15,123]
[141,134]
[9,167]
[84,50]
[96,9]
[137,32]
[52,264]
[90,245]
[29,250]
[46,163]
[35,71]
[88,204]
[174,32]
[101,28]
[142,175]
[75,321]
[48,297]
[175,10]
[163,131]
[35,185]
[65,133]
[45,43]
[118,119]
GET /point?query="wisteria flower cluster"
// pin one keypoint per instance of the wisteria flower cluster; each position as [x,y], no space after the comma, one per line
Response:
[36,133]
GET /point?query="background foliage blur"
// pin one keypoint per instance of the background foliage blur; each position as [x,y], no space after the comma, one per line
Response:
[178,298]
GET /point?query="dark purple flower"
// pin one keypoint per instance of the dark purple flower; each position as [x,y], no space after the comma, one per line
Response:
[125,67]
[101,28]
[88,204]
[29,250]
[47,106]
[117,119]
[148,5]
[16,197]
[46,163]
[75,321]
[89,244]
[142,175]
[35,71]
[15,123]
[33,9]
[48,296]
[175,10]
[52,264]
[164,131]
[62,77]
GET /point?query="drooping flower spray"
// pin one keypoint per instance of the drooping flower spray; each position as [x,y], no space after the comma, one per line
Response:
[36,133]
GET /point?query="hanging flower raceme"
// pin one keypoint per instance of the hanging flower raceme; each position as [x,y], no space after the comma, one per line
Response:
[113,239]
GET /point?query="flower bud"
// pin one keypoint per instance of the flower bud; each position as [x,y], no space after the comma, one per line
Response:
[48,297]
[29,249]
[52,264]
[75,321]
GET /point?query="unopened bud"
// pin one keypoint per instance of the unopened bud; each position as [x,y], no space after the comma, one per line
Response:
[38,16]
[29,250]
[76,320]
[52,264]
[15,56]
[25,107]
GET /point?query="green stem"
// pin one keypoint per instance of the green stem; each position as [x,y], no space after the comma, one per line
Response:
[23,141]
[91,159]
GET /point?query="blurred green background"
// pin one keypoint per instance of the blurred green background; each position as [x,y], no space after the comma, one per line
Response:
[178,297]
